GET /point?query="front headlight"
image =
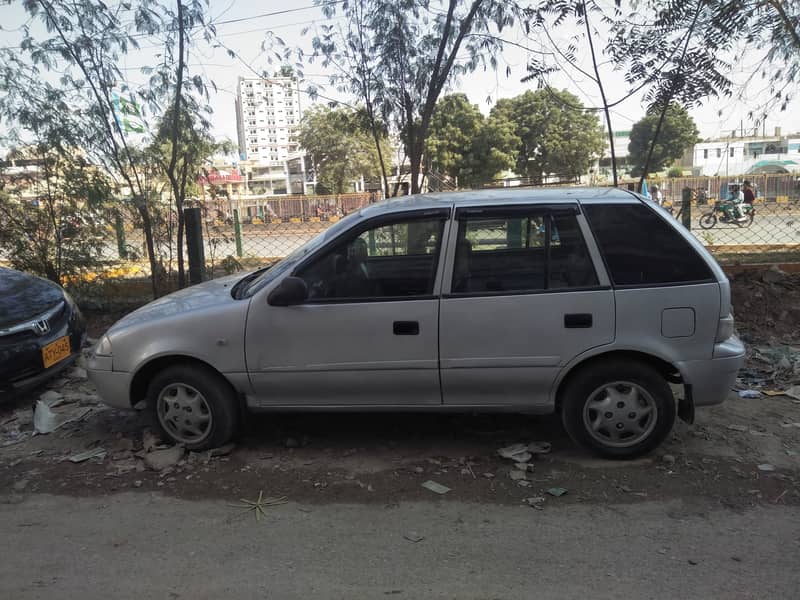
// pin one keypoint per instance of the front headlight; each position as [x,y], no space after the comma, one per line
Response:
[103,347]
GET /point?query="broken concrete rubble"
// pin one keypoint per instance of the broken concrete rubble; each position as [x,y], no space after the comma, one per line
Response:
[522,453]
[159,460]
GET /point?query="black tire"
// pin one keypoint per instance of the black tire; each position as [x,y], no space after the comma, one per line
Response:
[215,394]
[750,217]
[708,220]
[590,384]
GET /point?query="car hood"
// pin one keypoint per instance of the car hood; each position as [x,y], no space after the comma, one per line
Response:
[24,296]
[192,299]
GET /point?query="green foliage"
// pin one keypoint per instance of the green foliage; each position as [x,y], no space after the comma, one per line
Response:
[340,148]
[678,132]
[230,265]
[466,146]
[684,51]
[396,56]
[675,172]
[53,215]
[554,135]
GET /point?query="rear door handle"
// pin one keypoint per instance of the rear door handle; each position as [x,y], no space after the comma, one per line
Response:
[406,328]
[578,321]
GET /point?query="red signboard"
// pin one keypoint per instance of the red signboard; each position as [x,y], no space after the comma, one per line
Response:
[218,177]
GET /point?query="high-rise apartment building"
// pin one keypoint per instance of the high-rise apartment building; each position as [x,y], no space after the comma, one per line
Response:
[267,118]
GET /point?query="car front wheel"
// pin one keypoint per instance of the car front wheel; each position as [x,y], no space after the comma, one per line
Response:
[193,407]
[618,409]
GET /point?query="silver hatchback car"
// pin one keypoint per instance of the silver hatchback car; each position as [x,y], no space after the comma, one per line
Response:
[589,302]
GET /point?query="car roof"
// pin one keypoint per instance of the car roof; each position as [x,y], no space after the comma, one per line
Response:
[500,196]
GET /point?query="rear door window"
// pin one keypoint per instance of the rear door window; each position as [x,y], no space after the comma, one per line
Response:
[641,249]
[520,253]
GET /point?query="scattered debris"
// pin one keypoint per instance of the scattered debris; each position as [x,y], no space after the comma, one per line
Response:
[258,506]
[413,536]
[150,441]
[749,394]
[766,467]
[46,421]
[535,502]
[516,474]
[159,460]
[556,491]
[77,373]
[84,456]
[693,562]
[793,392]
[522,453]
[222,450]
[51,398]
[436,488]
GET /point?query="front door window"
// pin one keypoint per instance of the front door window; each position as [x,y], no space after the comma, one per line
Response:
[395,260]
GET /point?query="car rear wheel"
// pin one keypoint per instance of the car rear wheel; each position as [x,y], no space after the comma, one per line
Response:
[193,407]
[618,409]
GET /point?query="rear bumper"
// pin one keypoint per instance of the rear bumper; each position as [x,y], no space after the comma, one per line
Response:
[712,380]
[113,387]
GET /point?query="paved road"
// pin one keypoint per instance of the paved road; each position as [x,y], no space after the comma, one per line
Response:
[150,546]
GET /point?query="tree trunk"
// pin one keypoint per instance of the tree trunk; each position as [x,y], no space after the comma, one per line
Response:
[602,95]
[667,101]
[147,225]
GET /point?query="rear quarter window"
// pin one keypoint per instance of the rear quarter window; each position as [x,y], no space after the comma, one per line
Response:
[641,249]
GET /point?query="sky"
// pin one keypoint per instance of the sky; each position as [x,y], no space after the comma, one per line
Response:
[252,21]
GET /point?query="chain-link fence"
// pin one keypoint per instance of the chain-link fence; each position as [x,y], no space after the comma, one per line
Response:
[766,230]
[243,233]
[246,234]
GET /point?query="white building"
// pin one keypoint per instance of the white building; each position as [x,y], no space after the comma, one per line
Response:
[267,118]
[745,155]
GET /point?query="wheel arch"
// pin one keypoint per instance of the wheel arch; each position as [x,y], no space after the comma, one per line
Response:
[669,371]
[145,373]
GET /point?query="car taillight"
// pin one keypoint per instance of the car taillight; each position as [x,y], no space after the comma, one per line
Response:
[724,329]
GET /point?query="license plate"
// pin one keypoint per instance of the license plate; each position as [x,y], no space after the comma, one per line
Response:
[55,351]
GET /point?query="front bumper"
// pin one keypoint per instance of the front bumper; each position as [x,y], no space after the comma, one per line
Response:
[113,387]
[21,366]
[713,379]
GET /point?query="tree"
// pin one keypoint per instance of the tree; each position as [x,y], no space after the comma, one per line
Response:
[582,13]
[396,56]
[340,148]
[554,138]
[465,146]
[53,212]
[678,132]
[84,44]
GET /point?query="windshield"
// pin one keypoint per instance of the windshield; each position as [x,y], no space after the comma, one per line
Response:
[290,261]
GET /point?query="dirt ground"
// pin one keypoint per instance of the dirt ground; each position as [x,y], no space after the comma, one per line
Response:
[742,453]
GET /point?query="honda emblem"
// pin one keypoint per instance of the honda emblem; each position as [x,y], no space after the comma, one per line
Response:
[41,327]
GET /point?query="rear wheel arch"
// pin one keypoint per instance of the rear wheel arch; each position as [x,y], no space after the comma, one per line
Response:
[667,370]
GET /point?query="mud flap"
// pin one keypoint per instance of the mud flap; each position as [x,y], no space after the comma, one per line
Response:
[686,406]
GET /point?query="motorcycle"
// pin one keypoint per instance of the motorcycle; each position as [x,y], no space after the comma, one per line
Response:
[726,214]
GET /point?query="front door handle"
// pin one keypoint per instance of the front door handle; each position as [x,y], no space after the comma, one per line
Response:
[406,328]
[578,321]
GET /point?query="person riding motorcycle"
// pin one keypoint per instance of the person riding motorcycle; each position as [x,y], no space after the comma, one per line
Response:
[735,200]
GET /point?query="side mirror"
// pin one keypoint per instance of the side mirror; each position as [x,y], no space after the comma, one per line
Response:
[290,291]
